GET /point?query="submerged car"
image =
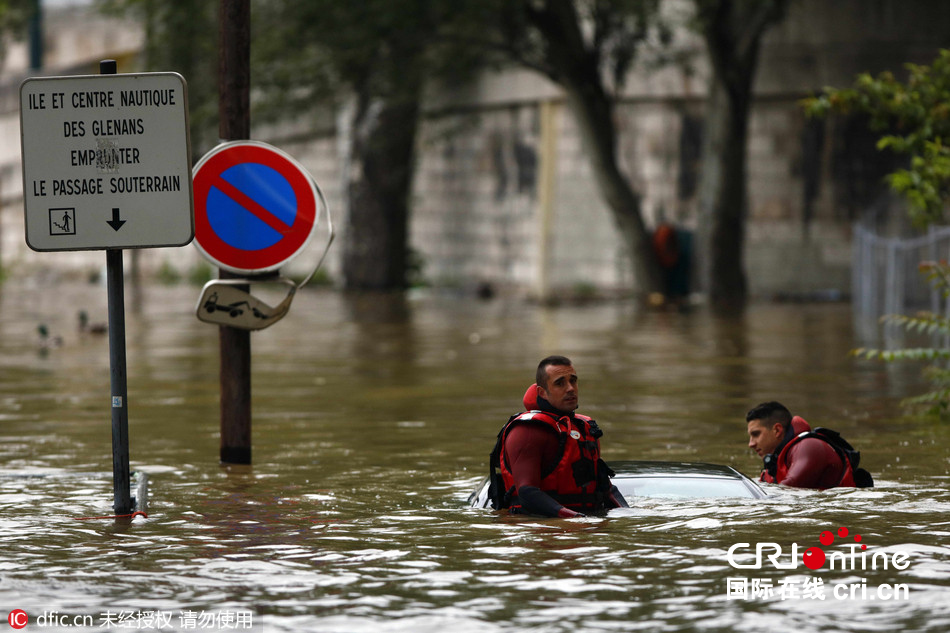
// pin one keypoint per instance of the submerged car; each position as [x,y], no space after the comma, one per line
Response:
[665,479]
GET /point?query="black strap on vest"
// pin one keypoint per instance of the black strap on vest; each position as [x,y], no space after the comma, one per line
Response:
[497,495]
[862,478]
[847,453]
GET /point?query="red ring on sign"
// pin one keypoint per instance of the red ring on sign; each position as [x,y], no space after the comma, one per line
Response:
[238,260]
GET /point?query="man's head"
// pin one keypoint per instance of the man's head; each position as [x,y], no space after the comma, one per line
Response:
[557,383]
[767,424]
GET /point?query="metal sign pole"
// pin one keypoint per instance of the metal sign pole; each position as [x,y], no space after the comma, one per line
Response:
[235,123]
[72,175]
[120,412]
[121,479]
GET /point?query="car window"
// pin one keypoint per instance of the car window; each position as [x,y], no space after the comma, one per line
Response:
[681,487]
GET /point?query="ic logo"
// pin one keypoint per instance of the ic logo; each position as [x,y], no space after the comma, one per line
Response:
[18,618]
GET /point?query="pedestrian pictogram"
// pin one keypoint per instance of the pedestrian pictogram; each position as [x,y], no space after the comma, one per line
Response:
[255,207]
[62,221]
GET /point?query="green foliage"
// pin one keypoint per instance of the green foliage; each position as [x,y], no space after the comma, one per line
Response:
[913,118]
[168,274]
[572,42]
[200,274]
[312,56]
[14,17]
[937,400]
[321,278]
[14,14]
[182,36]
[197,275]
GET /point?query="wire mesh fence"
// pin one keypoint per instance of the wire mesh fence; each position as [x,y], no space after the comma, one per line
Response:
[887,277]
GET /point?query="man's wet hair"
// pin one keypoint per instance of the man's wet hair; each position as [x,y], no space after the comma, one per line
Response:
[541,378]
[770,413]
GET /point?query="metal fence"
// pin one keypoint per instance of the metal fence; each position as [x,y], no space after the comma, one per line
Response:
[886,277]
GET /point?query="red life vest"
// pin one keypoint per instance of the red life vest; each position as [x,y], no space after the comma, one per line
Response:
[573,482]
[803,431]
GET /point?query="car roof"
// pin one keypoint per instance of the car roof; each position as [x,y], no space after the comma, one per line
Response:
[647,468]
[658,478]
[639,478]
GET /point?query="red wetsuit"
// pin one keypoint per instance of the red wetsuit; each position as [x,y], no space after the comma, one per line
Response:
[530,450]
[539,463]
[809,462]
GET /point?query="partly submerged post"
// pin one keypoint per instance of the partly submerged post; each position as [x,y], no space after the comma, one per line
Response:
[121,480]
[117,365]
[115,211]
[235,124]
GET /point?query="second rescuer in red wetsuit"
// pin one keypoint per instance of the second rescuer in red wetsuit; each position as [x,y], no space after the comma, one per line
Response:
[807,462]
[550,457]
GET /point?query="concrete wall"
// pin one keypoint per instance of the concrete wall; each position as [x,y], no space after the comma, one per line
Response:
[807,181]
[503,187]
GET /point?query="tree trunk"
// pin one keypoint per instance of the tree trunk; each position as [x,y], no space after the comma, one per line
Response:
[576,66]
[723,193]
[381,145]
[733,32]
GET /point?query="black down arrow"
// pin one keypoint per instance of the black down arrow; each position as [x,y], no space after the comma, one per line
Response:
[115,222]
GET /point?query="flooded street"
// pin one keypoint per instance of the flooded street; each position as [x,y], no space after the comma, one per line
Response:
[373,419]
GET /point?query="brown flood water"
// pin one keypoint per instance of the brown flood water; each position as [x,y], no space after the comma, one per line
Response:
[373,418]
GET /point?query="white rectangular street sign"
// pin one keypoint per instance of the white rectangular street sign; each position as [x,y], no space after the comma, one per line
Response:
[106,162]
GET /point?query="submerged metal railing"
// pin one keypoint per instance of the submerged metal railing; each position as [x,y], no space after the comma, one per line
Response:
[886,276]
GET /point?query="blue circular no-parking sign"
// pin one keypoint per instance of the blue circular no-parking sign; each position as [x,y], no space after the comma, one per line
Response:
[255,207]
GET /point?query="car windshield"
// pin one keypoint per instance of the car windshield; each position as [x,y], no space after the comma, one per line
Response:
[681,487]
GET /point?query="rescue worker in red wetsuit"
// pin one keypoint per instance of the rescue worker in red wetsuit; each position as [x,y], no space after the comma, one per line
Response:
[791,458]
[549,456]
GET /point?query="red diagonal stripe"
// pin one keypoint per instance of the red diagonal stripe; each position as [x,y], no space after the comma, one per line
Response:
[248,203]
